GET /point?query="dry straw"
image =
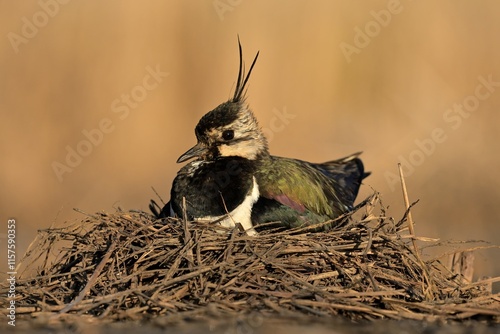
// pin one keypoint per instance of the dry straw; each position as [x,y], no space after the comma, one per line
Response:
[127,266]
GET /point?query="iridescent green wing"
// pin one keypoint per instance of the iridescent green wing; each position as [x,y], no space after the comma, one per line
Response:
[299,185]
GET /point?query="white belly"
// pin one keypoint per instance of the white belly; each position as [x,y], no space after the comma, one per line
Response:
[241,214]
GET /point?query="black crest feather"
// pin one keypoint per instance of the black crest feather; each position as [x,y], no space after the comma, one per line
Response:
[242,78]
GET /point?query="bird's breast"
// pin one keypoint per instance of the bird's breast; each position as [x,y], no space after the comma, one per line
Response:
[212,188]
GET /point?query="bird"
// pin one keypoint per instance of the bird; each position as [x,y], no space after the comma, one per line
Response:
[233,178]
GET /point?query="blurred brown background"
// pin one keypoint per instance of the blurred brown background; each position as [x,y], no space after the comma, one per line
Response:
[378,77]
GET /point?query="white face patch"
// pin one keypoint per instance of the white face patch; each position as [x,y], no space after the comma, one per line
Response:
[248,149]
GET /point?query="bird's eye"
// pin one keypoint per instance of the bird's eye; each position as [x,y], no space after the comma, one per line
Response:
[228,134]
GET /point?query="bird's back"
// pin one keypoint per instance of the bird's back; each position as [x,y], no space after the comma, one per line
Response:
[306,192]
[348,173]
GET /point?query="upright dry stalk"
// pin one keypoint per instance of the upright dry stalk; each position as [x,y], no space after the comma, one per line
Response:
[427,288]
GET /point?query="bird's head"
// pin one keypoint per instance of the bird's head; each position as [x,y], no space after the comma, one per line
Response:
[231,129]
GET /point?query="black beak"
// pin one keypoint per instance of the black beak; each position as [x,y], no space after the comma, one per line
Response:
[195,151]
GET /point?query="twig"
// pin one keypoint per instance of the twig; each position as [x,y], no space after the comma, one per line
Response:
[187,235]
[92,279]
[427,290]
[84,213]
[407,207]
[365,258]
[161,199]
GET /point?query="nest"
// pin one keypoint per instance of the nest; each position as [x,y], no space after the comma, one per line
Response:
[129,266]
